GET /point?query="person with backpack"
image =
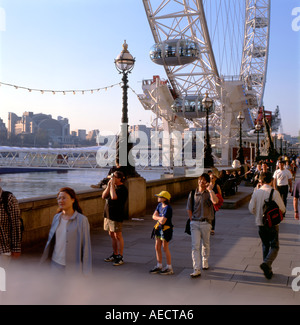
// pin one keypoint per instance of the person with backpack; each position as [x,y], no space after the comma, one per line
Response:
[269,235]
[10,227]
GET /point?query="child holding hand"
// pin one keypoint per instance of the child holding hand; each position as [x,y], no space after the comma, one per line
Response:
[163,231]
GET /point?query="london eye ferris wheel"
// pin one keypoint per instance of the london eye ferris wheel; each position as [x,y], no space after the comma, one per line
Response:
[219,47]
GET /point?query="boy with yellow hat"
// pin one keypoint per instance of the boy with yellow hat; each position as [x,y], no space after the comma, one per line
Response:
[163,231]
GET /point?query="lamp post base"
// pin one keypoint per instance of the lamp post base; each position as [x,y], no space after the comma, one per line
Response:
[240,155]
[208,159]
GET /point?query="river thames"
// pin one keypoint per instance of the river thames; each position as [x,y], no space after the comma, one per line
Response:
[34,184]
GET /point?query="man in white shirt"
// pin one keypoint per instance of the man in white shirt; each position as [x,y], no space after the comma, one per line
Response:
[268,235]
[283,181]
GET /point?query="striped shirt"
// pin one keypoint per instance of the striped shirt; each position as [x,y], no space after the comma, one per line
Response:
[10,225]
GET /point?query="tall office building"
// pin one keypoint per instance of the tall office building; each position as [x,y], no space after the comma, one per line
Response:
[58,130]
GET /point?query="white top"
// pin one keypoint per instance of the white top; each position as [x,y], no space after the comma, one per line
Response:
[282,177]
[258,199]
[59,253]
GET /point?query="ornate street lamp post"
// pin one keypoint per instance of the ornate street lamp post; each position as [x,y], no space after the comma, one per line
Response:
[257,129]
[240,152]
[124,64]
[208,159]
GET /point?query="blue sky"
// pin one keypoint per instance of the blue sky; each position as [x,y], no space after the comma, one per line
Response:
[72,44]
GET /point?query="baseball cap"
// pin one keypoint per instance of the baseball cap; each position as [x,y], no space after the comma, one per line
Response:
[164,194]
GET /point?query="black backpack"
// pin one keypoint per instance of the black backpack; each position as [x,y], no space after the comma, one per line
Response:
[4,197]
[272,215]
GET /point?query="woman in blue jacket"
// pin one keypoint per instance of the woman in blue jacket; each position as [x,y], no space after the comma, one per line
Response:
[69,244]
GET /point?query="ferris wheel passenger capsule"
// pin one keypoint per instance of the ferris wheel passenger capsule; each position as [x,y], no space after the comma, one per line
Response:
[258,52]
[175,52]
[260,22]
[190,107]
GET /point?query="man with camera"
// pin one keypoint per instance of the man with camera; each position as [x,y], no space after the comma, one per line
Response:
[115,195]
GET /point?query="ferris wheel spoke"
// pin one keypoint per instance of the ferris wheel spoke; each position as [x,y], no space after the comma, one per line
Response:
[230,39]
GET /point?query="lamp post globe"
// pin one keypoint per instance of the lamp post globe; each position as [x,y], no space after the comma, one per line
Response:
[124,64]
[207,103]
[124,61]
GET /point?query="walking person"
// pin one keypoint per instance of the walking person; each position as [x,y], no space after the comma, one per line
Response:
[10,228]
[200,211]
[282,181]
[257,173]
[268,235]
[163,231]
[115,195]
[218,192]
[69,245]
[293,169]
[296,195]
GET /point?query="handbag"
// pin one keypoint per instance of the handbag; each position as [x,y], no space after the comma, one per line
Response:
[272,215]
[220,203]
[188,227]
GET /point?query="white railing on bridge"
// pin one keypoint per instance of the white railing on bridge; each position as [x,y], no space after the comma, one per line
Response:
[51,157]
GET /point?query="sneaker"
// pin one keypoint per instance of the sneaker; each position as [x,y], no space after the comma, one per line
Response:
[267,271]
[195,274]
[111,258]
[166,271]
[118,260]
[156,269]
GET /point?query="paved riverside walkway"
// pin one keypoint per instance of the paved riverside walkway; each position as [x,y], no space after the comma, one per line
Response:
[234,276]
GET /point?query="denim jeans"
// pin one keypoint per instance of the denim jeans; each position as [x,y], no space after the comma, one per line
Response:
[200,231]
[270,243]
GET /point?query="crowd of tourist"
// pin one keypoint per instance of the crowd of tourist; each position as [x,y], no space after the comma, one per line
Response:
[69,245]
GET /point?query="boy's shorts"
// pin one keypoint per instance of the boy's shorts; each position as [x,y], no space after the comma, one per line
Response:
[112,226]
[161,234]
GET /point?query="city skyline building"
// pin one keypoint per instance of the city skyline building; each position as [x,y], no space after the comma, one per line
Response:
[57,131]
